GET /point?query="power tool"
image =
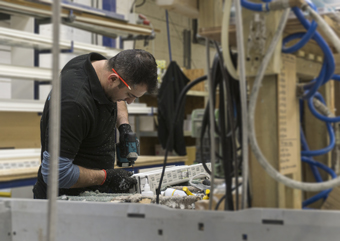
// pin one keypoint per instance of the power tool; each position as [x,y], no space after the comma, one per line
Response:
[128,151]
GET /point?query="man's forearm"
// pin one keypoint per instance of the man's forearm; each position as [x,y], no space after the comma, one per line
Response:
[89,177]
[122,113]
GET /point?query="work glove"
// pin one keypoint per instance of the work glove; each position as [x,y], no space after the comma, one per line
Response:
[123,129]
[118,180]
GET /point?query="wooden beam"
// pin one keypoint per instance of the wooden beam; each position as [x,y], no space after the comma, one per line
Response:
[277,129]
[307,69]
[264,188]
[289,132]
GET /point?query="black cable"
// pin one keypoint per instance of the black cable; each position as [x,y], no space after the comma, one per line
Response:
[223,197]
[219,202]
[227,155]
[137,6]
[131,9]
[179,104]
[230,110]
[141,4]
[205,121]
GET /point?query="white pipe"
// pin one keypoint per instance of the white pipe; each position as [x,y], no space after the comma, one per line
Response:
[54,127]
[244,111]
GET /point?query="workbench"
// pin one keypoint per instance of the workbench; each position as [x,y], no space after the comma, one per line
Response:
[21,168]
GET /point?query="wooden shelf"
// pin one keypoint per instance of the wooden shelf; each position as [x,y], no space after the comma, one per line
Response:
[95,21]
[198,93]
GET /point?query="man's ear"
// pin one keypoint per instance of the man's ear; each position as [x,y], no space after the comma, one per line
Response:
[113,80]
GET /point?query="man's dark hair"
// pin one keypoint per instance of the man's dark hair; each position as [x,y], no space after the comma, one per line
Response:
[135,66]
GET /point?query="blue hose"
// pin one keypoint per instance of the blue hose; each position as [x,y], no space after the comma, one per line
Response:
[324,47]
[320,165]
[336,77]
[306,37]
[254,6]
[317,114]
[324,193]
[305,147]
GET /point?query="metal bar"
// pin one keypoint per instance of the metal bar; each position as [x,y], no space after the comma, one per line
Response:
[243,90]
[54,126]
[168,33]
[18,183]
[212,126]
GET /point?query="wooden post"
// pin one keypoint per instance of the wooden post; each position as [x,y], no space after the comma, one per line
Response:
[277,129]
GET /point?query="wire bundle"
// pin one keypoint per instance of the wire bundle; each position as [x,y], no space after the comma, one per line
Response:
[229,120]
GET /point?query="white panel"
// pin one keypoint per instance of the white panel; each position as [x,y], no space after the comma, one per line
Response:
[81,35]
[22,192]
[5,88]
[5,83]
[44,90]
[123,7]
[22,89]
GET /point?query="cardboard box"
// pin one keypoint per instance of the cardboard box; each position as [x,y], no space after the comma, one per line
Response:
[193,74]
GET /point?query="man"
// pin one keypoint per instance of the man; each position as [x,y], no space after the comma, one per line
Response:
[93,95]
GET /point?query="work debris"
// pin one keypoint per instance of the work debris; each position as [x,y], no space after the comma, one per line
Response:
[171,202]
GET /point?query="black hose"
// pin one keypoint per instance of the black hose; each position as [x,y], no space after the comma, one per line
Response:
[177,111]
[222,198]
[230,110]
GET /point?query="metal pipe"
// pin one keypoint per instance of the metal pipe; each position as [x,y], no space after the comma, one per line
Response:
[168,33]
[212,126]
[243,90]
[54,127]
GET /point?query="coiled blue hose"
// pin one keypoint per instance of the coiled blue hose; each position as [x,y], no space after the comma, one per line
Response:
[304,39]
[317,114]
[305,147]
[326,149]
[326,73]
[324,193]
[254,6]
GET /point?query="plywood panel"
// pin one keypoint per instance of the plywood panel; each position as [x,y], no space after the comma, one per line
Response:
[273,132]
[19,130]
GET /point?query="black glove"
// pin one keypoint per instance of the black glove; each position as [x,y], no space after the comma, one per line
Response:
[119,180]
[123,129]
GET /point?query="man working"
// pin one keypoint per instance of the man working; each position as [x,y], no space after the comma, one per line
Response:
[93,95]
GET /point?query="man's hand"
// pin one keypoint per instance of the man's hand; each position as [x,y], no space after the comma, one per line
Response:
[119,180]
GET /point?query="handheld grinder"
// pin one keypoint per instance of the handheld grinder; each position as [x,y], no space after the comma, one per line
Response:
[128,151]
